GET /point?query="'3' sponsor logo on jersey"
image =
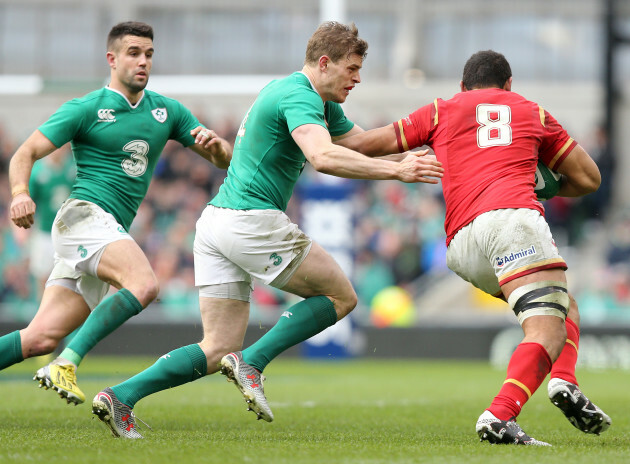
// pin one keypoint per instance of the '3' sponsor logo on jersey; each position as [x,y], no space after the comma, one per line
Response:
[138,160]
[106,115]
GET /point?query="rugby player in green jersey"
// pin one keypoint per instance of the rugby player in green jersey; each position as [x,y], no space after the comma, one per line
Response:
[117,134]
[244,233]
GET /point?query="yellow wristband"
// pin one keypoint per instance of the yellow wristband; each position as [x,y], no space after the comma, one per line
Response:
[19,189]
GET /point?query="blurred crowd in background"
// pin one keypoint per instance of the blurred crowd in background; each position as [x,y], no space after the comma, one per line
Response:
[417,48]
[398,252]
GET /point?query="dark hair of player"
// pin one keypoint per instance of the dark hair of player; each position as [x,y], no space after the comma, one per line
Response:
[486,69]
[134,28]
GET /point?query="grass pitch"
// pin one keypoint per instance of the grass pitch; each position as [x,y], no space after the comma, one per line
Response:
[325,412]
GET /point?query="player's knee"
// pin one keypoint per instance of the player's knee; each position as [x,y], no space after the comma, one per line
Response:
[543,298]
[574,313]
[554,339]
[346,303]
[557,345]
[152,291]
[146,291]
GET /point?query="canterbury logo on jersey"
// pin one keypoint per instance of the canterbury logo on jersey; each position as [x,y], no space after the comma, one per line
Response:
[106,115]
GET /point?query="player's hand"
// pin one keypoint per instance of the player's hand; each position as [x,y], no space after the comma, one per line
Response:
[212,147]
[22,211]
[207,138]
[419,166]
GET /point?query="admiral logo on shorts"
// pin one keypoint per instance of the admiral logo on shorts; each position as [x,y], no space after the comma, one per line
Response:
[106,115]
[503,260]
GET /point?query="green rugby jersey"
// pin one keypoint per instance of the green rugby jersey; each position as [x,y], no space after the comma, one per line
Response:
[116,145]
[266,161]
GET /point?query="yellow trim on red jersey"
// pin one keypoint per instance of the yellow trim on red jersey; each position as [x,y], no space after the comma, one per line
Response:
[435,119]
[552,165]
[541,113]
[520,384]
[403,139]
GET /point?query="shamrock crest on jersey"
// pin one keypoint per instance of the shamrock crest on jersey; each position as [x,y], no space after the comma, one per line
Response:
[159,114]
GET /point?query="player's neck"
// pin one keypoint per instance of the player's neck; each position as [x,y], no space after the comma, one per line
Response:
[133,102]
[133,97]
[310,74]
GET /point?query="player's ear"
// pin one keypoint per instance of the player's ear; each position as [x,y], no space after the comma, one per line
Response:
[111,60]
[462,87]
[323,62]
[508,84]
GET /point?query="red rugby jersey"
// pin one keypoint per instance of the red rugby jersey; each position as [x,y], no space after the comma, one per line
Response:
[489,142]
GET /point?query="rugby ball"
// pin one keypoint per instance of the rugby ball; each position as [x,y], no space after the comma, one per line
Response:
[547,182]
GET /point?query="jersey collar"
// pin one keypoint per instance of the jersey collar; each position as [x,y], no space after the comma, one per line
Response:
[126,99]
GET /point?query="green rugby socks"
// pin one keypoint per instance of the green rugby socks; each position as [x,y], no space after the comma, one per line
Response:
[178,367]
[110,314]
[298,323]
[10,349]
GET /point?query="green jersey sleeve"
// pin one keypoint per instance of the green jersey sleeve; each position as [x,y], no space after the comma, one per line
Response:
[64,125]
[186,122]
[338,124]
[302,107]
[306,107]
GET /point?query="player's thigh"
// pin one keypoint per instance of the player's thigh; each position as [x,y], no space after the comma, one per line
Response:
[319,274]
[124,265]
[60,312]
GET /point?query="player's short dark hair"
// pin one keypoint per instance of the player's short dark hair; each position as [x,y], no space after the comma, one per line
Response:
[335,40]
[485,69]
[134,28]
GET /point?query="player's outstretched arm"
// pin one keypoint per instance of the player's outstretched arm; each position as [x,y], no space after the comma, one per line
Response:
[328,158]
[581,174]
[375,142]
[22,210]
[211,147]
[361,147]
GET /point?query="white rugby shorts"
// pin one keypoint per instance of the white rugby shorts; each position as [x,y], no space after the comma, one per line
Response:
[234,246]
[80,233]
[501,245]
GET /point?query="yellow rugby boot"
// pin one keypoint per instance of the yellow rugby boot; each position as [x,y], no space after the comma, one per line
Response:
[62,378]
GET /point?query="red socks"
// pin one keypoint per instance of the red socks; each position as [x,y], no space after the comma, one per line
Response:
[564,367]
[529,365]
